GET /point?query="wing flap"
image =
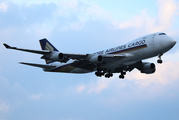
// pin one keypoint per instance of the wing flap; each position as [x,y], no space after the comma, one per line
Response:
[39,65]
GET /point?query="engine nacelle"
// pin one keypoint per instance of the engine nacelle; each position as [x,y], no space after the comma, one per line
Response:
[96,59]
[57,56]
[148,68]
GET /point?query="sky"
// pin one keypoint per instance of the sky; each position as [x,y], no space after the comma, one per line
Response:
[82,26]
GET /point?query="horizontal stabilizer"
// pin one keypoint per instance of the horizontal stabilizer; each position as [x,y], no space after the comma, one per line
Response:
[27,50]
[39,65]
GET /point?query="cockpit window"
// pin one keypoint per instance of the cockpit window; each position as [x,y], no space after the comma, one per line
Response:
[162,34]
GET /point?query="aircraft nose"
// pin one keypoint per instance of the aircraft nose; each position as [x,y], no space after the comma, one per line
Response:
[173,42]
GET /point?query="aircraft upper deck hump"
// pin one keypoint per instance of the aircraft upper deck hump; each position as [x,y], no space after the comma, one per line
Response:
[46,45]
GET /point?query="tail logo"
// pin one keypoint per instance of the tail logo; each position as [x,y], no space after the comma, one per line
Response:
[49,47]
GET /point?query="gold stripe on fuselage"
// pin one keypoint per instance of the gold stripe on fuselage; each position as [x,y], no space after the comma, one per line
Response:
[130,49]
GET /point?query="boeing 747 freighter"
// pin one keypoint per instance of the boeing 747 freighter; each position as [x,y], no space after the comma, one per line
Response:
[119,59]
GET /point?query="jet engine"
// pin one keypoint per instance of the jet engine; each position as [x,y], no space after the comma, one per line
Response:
[148,68]
[96,59]
[57,56]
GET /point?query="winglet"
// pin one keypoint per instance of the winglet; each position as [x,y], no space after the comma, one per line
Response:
[7,46]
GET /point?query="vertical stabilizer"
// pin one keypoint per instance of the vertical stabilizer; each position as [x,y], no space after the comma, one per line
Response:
[46,45]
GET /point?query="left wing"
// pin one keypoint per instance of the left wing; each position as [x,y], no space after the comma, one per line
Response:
[55,55]
[92,58]
[27,50]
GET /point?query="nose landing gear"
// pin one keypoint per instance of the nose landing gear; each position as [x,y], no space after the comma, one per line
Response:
[159,60]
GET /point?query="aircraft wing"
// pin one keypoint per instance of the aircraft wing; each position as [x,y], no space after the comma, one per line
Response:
[28,50]
[64,57]
[88,57]
[39,65]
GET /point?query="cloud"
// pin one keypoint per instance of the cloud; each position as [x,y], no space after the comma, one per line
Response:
[161,76]
[3,6]
[167,11]
[81,88]
[84,24]
[137,85]
[35,96]
[74,14]
[12,92]
[31,20]
[96,12]
[8,88]
[97,87]
[69,4]
[173,56]
[4,107]
[100,85]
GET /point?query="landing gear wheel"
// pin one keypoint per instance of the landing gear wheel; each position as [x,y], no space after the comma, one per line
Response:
[107,76]
[111,75]
[102,73]
[159,61]
[98,74]
[123,73]
[121,76]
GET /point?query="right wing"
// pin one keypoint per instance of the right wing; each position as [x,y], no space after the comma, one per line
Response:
[39,65]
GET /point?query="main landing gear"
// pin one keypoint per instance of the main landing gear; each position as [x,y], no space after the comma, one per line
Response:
[99,73]
[159,60]
[122,75]
[102,73]
[109,74]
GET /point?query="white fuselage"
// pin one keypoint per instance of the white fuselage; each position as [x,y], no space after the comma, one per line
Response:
[142,48]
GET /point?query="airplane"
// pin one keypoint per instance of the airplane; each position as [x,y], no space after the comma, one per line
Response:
[120,59]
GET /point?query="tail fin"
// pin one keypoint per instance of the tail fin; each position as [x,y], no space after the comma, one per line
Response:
[46,45]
